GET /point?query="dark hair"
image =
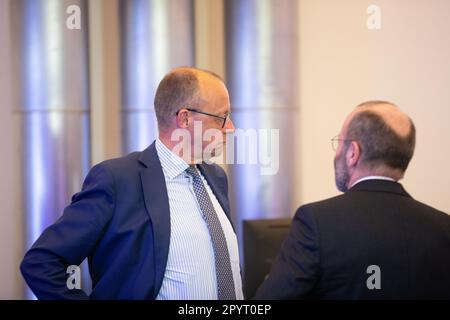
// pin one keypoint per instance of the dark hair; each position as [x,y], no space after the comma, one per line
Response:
[379,144]
[178,89]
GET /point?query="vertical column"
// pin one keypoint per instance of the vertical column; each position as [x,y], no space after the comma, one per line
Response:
[262,61]
[51,77]
[156,36]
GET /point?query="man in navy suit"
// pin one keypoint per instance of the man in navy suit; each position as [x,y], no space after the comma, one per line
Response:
[374,241]
[144,220]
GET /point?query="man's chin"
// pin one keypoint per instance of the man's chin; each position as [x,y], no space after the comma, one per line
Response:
[209,157]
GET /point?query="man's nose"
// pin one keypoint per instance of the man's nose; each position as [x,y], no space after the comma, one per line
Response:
[229,126]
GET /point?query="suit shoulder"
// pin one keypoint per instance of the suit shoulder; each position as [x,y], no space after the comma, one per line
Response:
[320,205]
[429,210]
[116,165]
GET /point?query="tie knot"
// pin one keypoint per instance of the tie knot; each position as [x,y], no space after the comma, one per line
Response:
[192,171]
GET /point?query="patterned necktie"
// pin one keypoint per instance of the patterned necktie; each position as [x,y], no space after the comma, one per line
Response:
[225,282]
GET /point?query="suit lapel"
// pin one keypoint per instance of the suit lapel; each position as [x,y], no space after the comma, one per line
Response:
[157,205]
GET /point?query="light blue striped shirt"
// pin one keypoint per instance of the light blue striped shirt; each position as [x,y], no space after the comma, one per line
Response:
[191,273]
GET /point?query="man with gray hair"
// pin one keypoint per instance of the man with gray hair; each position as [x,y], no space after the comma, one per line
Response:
[154,224]
[374,241]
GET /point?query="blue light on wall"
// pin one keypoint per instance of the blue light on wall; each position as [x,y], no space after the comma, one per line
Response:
[156,35]
[262,63]
[53,102]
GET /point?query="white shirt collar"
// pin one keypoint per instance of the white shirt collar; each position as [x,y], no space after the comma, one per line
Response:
[171,163]
[372,178]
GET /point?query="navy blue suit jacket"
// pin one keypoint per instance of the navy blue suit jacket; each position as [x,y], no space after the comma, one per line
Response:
[121,221]
[333,242]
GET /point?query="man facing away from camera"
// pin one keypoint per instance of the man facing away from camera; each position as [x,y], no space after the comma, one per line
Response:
[154,224]
[374,241]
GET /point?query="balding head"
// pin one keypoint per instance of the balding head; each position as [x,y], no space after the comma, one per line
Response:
[180,88]
[394,118]
[385,134]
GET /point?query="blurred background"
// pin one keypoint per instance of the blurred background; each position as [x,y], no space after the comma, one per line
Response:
[77,80]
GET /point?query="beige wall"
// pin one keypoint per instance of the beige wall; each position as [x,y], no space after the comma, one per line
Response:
[10,212]
[343,63]
[104,72]
[209,35]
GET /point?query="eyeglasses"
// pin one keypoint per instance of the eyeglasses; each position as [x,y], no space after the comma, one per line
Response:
[335,142]
[227,116]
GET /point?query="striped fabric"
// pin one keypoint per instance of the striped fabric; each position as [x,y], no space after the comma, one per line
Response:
[190,272]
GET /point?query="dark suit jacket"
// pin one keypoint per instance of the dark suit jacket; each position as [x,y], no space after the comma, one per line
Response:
[333,242]
[121,222]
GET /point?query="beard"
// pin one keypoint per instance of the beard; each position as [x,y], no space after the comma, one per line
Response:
[341,174]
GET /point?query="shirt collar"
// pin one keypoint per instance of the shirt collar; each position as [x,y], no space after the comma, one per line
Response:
[373,178]
[172,164]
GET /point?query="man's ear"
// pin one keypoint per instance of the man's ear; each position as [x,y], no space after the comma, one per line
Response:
[183,119]
[353,154]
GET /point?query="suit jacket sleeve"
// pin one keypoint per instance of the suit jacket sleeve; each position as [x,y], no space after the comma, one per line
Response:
[296,268]
[70,239]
